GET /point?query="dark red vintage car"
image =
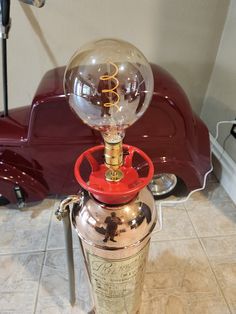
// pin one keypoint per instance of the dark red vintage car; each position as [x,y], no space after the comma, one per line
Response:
[40,143]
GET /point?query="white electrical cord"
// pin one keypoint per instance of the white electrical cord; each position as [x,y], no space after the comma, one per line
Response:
[159,209]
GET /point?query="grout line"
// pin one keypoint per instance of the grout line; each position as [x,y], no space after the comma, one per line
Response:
[34,251]
[217,236]
[212,269]
[39,281]
[50,227]
[61,248]
[233,233]
[190,220]
[42,266]
[174,239]
[23,252]
[43,250]
[179,239]
[209,263]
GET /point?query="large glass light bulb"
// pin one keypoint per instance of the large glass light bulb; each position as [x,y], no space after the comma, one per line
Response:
[109,84]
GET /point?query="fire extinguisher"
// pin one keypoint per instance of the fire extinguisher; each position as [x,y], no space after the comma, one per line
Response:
[109,85]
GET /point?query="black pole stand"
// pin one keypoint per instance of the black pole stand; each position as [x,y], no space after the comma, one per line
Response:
[5,27]
[4,76]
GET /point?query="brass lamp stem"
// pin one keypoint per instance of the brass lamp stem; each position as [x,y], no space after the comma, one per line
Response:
[113,160]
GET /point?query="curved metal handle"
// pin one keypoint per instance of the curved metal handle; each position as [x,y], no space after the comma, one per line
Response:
[63,208]
[63,213]
[36,3]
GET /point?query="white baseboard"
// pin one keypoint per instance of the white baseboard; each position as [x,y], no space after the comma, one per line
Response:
[224,169]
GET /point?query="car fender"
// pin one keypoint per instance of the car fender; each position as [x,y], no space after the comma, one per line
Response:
[11,176]
[185,170]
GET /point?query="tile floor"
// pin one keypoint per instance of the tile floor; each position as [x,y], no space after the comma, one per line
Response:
[191,267]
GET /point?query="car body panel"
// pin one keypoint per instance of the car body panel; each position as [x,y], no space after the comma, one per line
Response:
[43,140]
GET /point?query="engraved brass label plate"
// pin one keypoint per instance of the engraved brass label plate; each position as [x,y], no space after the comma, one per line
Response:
[117,284]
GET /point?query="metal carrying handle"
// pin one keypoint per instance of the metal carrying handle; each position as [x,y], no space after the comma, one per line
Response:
[36,3]
[63,213]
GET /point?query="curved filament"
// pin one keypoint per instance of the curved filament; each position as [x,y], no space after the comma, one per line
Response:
[111,91]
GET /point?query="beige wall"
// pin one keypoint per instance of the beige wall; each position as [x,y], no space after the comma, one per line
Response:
[220,101]
[181,35]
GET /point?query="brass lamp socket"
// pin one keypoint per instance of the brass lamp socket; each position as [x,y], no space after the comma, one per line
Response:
[114,160]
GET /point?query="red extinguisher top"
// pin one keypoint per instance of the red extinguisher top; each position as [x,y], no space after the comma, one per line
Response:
[114,192]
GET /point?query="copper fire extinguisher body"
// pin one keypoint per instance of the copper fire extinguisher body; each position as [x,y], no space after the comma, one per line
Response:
[115,240]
